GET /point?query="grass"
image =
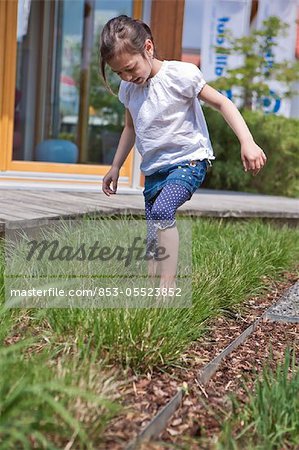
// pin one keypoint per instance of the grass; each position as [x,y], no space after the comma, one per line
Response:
[229,263]
[46,402]
[56,389]
[269,420]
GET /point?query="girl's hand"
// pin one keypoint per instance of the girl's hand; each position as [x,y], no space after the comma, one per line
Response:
[253,157]
[111,176]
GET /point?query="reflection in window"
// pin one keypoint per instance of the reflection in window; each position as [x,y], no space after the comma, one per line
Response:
[192,26]
[63,112]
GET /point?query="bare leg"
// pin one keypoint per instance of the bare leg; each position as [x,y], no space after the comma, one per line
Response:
[163,214]
[169,239]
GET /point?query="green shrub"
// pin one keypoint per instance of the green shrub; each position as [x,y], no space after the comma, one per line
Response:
[276,135]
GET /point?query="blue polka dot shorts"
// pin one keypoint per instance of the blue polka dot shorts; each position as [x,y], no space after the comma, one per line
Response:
[164,192]
[188,173]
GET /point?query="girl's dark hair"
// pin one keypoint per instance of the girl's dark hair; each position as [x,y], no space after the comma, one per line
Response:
[123,34]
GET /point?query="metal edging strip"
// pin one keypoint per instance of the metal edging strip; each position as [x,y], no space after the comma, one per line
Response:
[158,423]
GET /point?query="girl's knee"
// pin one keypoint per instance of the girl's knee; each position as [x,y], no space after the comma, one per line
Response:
[162,213]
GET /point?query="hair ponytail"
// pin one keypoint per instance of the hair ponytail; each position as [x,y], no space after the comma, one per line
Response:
[122,34]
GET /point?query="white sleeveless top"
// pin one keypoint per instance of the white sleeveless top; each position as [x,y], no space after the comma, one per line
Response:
[168,119]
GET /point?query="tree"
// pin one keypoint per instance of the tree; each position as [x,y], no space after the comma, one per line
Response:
[259,67]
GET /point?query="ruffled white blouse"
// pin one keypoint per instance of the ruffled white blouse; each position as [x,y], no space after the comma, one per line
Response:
[168,119]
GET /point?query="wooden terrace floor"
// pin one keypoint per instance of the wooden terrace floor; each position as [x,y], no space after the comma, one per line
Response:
[22,205]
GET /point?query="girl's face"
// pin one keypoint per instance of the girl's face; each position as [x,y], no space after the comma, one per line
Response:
[132,67]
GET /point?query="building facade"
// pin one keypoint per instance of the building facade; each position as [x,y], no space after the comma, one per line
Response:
[58,123]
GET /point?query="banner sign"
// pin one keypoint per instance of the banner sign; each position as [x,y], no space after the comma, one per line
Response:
[220,16]
[285,50]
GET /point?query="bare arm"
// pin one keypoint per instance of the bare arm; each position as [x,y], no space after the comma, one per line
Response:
[126,142]
[253,157]
[124,147]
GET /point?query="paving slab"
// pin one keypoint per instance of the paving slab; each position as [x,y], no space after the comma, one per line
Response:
[287,307]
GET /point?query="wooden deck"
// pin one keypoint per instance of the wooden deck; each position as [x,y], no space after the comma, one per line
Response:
[28,205]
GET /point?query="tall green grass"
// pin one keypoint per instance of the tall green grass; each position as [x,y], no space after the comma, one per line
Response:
[229,262]
[50,396]
[45,403]
[269,420]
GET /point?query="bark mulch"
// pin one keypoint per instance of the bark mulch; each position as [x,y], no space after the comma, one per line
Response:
[203,407]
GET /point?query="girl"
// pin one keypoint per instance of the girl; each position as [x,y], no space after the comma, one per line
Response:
[164,119]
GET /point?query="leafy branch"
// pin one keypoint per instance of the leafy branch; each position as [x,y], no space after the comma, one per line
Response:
[259,67]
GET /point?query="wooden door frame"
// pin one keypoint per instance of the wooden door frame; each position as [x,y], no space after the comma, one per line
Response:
[167,27]
[8,55]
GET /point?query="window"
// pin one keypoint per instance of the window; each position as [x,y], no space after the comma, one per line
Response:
[63,112]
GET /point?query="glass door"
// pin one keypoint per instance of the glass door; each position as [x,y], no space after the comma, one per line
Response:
[62,113]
